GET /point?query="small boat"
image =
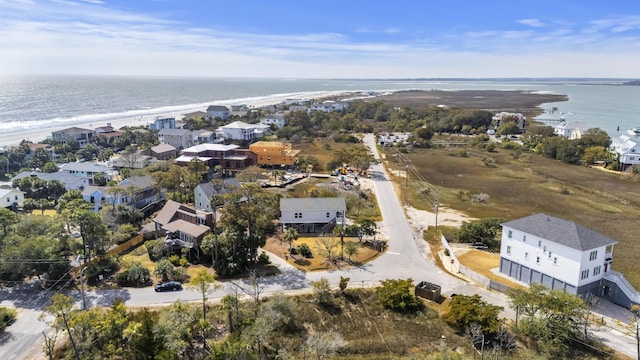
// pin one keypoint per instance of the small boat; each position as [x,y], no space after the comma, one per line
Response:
[635,131]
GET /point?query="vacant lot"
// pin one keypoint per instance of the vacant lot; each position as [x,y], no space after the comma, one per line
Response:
[521,185]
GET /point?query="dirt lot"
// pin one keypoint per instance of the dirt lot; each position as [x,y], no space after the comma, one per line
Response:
[281,248]
[482,262]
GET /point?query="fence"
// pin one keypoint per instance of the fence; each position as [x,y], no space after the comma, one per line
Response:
[126,246]
[480,279]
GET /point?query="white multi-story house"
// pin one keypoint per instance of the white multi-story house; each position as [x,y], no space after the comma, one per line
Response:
[278,119]
[557,253]
[628,150]
[163,123]
[329,106]
[239,130]
[569,129]
[309,215]
[87,170]
[11,198]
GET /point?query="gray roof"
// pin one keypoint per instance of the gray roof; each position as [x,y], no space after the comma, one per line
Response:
[217,108]
[208,189]
[313,204]
[560,231]
[66,178]
[141,182]
[162,148]
[178,132]
[84,167]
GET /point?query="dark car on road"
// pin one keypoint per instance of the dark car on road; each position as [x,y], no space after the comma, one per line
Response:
[169,286]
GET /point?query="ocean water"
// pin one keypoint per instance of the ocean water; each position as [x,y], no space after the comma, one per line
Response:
[42,102]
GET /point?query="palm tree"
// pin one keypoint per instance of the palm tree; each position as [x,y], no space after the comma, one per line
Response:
[291,235]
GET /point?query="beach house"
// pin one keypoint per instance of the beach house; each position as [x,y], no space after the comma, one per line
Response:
[504,117]
[178,138]
[87,170]
[569,129]
[628,150]
[73,136]
[203,193]
[218,111]
[163,123]
[182,225]
[239,130]
[278,119]
[312,215]
[11,198]
[229,157]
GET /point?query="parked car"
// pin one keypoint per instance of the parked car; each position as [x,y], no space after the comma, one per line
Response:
[169,286]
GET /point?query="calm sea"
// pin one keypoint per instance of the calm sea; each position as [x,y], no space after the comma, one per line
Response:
[41,102]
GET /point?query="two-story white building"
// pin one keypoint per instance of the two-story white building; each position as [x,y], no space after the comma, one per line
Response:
[570,129]
[11,198]
[239,130]
[308,215]
[628,150]
[555,252]
[279,120]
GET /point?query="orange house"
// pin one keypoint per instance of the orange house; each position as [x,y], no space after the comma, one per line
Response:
[274,153]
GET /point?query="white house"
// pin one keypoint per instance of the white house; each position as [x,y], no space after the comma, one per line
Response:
[218,111]
[239,130]
[555,252]
[87,170]
[329,106]
[628,150]
[312,214]
[278,119]
[163,123]
[70,182]
[203,193]
[569,129]
[11,198]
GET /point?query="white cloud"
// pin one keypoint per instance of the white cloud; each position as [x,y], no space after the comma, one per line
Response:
[532,22]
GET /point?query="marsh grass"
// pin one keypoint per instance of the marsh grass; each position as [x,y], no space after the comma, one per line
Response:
[605,202]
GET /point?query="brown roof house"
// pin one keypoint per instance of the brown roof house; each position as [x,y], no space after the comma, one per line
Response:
[183,226]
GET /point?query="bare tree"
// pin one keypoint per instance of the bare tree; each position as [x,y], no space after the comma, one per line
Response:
[326,246]
[321,345]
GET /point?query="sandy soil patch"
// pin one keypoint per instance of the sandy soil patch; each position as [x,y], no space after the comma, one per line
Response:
[422,219]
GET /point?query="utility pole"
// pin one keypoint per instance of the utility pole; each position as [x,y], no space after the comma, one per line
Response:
[84,299]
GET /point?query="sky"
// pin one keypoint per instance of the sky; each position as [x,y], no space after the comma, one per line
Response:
[322,39]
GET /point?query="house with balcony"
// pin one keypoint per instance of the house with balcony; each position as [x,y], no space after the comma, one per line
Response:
[162,152]
[229,156]
[182,225]
[312,215]
[328,106]
[163,123]
[11,198]
[628,150]
[71,182]
[73,135]
[108,131]
[87,170]
[239,130]
[273,153]
[561,254]
[218,111]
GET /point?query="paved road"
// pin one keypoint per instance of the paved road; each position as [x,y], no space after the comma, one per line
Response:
[406,257]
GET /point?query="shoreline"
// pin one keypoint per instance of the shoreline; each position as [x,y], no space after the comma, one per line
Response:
[527,103]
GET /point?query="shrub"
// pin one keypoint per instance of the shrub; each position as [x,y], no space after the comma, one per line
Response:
[480,198]
[263,258]
[135,275]
[396,295]
[183,262]
[304,250]
[175,260]
[155,248]
[446,252]
[7,317]
[322,291]
[100,267]
[293,251]
[491,147]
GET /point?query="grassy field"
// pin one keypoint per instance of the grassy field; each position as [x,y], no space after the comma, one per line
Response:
[521,185]
[482,262]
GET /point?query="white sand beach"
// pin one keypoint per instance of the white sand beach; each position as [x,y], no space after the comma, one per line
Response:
[41,134]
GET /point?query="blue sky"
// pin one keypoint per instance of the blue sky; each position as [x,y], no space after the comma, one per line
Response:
[322,39]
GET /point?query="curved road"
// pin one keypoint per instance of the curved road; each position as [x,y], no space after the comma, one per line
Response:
[406,257]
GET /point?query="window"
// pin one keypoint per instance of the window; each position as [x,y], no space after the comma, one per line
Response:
[584,274]
[526,256]
[596,270]
[539,243]
[549,254]
[297,215]
[544,249]
[524,238]
[508,250]
[537,259]
[328,215]
[510,234]
[555,260]
[593,255]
